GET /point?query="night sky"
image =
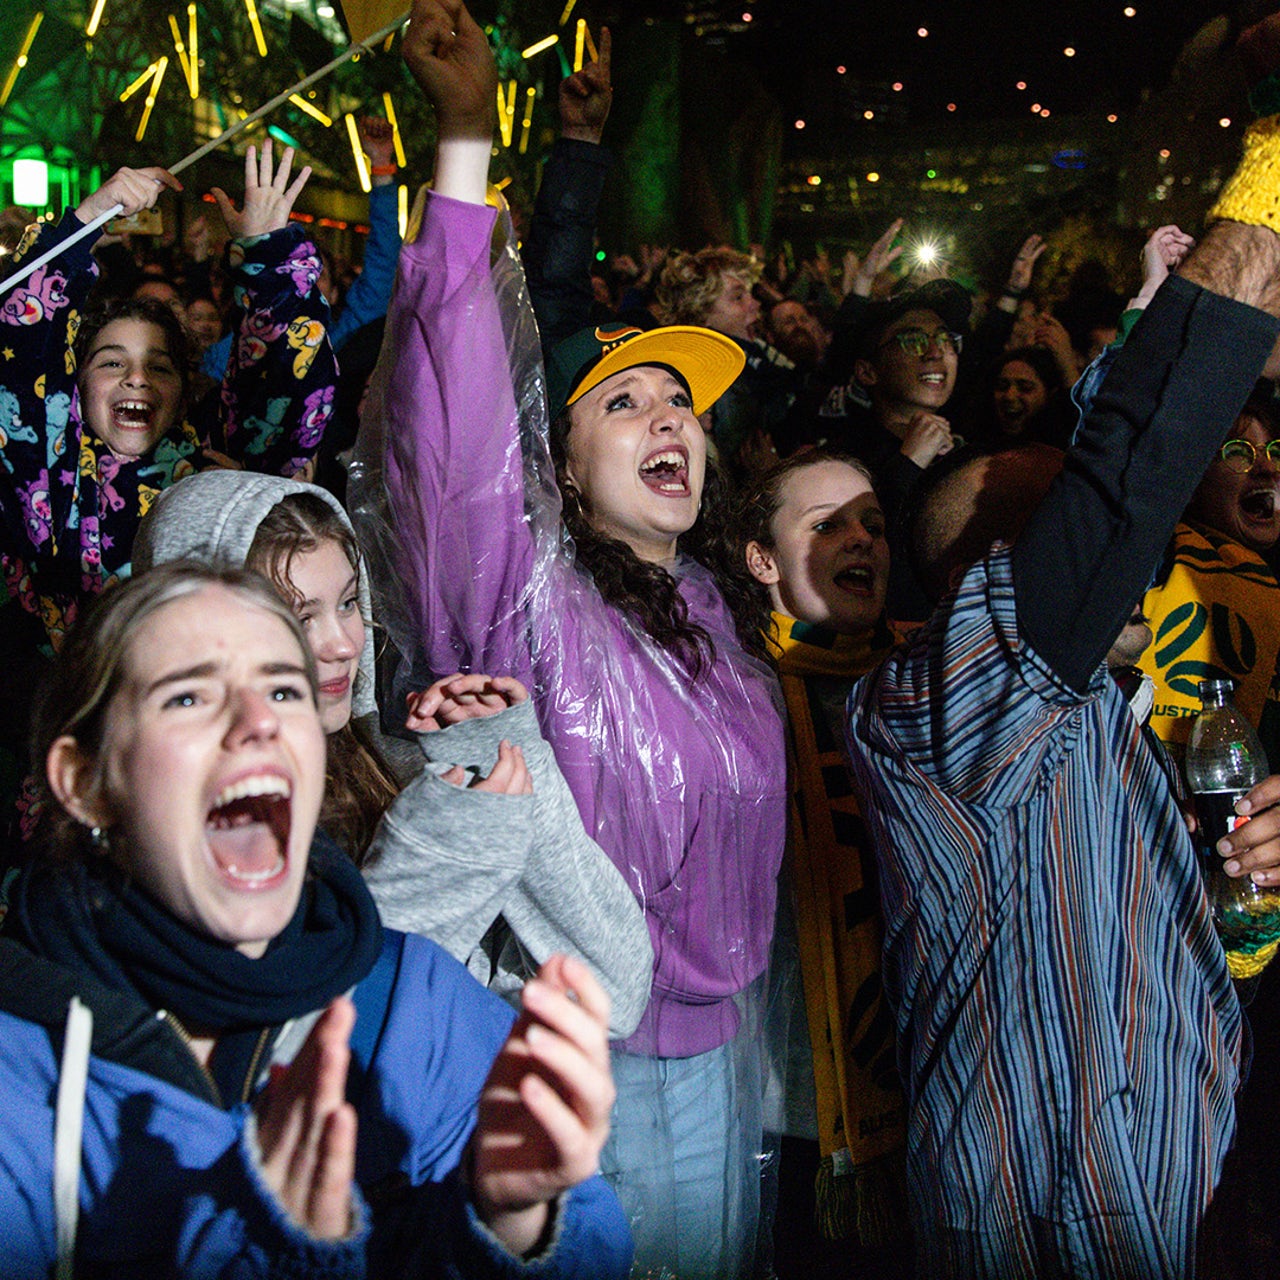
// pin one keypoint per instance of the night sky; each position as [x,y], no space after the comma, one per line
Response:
[976,50]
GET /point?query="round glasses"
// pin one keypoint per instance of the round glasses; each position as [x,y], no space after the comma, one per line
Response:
[1240,455]
[915,342]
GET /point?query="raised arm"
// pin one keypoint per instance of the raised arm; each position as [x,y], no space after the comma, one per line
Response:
[370,292]
[559,249]
[277,393]
[38,321]
[440,431]
[1166,404]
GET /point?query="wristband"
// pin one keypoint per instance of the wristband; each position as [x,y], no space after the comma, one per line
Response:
[1015,294]
[382,170]
[1252,194]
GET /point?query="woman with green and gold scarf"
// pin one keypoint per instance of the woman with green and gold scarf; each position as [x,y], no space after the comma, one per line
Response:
[813,538]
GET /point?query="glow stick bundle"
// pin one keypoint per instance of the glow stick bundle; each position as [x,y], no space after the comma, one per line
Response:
[199,153]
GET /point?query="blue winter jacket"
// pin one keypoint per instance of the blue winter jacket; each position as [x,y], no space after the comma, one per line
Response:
[168,1185]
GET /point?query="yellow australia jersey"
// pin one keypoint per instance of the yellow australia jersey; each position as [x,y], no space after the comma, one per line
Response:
[1216,616]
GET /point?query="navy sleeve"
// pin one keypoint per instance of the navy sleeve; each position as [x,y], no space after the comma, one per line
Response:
[558,252]
[1167,402]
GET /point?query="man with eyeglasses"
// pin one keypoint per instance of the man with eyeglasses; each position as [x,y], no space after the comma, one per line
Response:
[907,361]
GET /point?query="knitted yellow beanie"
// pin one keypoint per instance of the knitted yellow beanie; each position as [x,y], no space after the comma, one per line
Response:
[1252,194]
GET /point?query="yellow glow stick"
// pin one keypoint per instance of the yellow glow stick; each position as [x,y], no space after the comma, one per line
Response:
[181,48]
[591,44]
[530,96]
[316,114]
[161,66]
[22,57]
[396,140]
[568,9]
[252,8]
[507,112]
[91,28]
[193,42]
[578,44]
[402,208]
[139,82]
[362,169]
[542,44]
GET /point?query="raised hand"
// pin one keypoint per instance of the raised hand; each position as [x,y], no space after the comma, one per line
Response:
[1024,263]
[449,56]
[1049,332]
[135,189]
[544,1110]
[585,96]
[880,257]
[196,240]
[1164,251]
[307,1130]
[458,697]
[653,257]
[268,195]
[377,139]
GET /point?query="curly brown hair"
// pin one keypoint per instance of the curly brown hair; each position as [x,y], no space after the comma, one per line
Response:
[691,282]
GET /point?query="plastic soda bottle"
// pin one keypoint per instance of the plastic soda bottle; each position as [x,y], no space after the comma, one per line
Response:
[1224,760]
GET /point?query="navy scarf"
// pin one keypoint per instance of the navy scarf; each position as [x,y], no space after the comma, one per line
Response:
[91,918]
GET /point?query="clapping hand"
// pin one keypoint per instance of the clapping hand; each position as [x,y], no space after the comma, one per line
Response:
[544,1110]
[458,697]
[307,1129]
[470,697]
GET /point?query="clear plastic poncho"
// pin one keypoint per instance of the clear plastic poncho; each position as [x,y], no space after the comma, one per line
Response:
[681,782]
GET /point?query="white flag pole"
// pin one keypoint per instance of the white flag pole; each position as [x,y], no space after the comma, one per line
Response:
[240,125]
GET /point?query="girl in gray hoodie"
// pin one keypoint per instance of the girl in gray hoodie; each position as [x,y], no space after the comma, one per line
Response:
[494,866]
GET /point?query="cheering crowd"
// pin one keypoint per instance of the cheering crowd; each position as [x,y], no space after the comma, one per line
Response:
[659,773]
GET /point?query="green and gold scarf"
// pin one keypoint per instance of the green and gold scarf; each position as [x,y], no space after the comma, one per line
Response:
[861,1117]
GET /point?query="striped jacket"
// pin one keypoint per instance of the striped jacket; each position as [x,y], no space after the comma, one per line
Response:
[1068,1034]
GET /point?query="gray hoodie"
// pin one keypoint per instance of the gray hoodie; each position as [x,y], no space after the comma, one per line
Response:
[213,517]
[501,882]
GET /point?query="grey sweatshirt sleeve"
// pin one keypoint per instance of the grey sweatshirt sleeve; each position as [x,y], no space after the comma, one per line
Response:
[445,858]
[567,896]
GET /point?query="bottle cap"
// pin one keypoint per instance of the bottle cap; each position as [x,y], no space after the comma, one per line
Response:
[1213,690]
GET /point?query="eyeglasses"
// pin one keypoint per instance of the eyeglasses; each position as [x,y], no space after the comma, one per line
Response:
[915,342]
[1240,455]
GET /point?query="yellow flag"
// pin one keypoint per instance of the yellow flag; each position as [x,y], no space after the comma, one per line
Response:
[364,17]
